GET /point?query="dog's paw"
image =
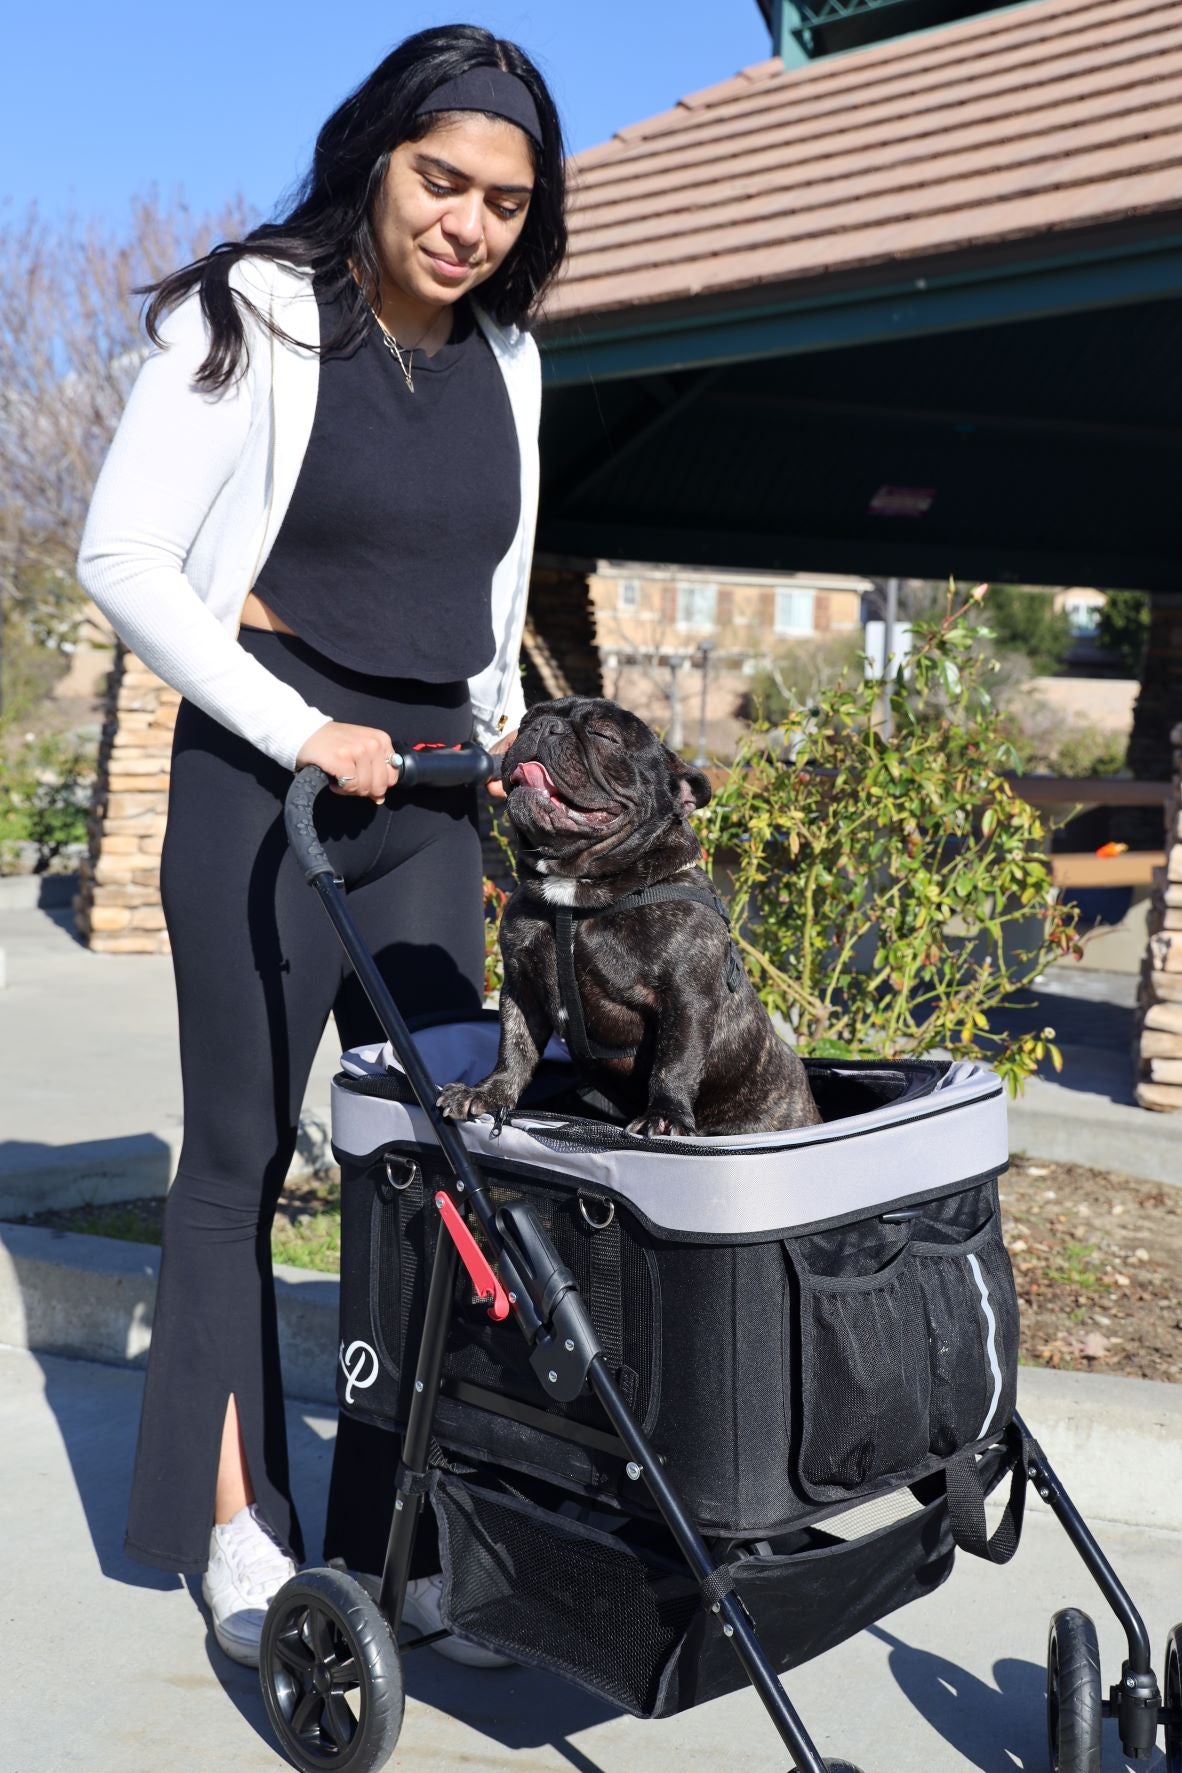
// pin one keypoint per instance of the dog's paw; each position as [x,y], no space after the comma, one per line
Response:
[458,1101]
[658,1124]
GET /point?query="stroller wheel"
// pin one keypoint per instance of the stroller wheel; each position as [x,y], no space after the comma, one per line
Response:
[1074,1697]
[331,1674]
[1173,1701]
[840,1767]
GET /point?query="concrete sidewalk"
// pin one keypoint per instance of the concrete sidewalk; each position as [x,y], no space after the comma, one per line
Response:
[90,1082]
[110,1669]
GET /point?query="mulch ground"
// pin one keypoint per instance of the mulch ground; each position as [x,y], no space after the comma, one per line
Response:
[1097,1259]
[1098,1263]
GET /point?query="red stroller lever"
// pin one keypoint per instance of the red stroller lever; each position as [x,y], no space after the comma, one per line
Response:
[488,1288]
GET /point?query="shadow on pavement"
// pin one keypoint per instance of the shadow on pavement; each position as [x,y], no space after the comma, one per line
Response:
[101,1453]
[519,1708]
[995,1728]
[1095,1033]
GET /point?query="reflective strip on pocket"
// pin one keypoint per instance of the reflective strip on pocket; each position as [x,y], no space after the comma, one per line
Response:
[990,1344]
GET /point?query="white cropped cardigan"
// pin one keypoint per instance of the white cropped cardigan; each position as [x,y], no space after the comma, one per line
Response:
[195,486]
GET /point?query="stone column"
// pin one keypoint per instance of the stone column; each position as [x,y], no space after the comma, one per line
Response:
[559,653]
[117,907]
[1159,1033]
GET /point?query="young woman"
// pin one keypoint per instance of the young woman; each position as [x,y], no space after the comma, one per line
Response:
[316,521]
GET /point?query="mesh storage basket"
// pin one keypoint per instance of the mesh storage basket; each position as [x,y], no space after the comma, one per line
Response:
[552,1591]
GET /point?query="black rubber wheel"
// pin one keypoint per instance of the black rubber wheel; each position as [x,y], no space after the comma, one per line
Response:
[1172,1700]
[1074,1696]
[840,1767]
[331,1674]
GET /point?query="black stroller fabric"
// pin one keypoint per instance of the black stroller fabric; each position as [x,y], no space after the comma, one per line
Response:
[781,1376]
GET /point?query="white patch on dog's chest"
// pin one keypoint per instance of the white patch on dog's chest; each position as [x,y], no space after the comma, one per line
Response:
[559,892]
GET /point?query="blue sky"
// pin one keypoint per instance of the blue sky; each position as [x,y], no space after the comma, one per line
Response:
[101,102]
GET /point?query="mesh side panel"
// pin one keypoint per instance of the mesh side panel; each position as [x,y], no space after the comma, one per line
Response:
[559,1595]
[615,1275]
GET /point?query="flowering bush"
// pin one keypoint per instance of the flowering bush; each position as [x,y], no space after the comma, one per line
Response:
[888,892]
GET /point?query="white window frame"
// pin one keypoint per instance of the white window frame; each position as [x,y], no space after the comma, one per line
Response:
[697,604]
[796,610]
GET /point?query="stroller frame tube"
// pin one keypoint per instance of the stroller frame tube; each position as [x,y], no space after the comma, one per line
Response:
[1135,1701]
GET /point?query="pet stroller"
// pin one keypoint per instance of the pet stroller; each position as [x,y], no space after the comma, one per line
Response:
[687,1412]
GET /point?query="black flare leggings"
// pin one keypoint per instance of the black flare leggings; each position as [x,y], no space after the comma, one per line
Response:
[258,970]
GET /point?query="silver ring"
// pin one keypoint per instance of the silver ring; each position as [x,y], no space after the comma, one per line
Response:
[341,780]
[394,761]
[600,1201]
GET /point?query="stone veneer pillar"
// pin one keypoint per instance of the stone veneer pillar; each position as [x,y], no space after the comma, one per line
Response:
[117,907]
[1159,1032]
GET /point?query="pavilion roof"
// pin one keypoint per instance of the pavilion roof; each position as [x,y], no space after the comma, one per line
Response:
[1049,119]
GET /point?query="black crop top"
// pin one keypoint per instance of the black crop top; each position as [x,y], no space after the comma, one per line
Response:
[403,506]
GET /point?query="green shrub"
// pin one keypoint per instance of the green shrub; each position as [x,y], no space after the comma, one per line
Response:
[1072,748]
[799,672]
[45,786]
[888,894]
[1023,619]
[1124,626]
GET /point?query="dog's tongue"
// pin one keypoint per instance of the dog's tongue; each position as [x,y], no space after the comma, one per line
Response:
[533,775]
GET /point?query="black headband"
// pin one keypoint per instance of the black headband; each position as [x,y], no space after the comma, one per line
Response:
[488,89]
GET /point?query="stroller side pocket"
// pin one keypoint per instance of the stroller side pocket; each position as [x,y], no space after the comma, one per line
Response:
[864,1386]
[908,1344]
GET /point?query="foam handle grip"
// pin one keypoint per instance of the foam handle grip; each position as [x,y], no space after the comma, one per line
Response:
[300,823]
[446,768]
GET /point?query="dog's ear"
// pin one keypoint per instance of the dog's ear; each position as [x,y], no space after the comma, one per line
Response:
[689,785]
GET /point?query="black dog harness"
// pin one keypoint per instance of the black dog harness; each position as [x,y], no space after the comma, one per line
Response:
[582,1047]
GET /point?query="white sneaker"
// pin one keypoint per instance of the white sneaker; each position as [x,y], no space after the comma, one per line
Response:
[422,1609]
[248,1564]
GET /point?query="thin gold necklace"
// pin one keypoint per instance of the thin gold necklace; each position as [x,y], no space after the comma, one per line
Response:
[391,344]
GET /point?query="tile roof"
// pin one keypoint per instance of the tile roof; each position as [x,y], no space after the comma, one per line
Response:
[1056,115]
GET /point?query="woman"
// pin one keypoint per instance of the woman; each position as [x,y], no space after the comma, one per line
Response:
[316,521]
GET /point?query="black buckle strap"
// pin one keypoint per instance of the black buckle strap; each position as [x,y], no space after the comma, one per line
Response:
[720,1582]
[582,1047]
[966,1504]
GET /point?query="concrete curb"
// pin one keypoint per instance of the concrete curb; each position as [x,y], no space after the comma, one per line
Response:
[92,1298]
[139,1166]
[1116,1442]
[1080,1127]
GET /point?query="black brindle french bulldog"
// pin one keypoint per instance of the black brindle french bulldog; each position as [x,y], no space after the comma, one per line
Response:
[650,994]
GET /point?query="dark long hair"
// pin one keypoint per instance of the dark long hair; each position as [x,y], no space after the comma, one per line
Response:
[330,225]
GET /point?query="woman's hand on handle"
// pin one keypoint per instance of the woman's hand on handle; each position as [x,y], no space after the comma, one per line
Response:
[493,784]
[358,753]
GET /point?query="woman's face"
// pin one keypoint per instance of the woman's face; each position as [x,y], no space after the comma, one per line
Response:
[452,206]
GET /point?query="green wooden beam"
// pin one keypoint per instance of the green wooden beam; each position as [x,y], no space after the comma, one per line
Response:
[788,35]
[807,322]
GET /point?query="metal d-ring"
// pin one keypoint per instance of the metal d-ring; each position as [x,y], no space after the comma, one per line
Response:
[408,1171]
[597,1224]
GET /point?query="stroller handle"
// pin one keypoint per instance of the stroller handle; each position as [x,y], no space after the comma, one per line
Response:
[424,767]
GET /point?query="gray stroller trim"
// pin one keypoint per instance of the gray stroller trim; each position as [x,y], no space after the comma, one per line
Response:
[808,1177]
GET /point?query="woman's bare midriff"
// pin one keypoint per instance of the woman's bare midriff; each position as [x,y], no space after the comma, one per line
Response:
[255,614]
